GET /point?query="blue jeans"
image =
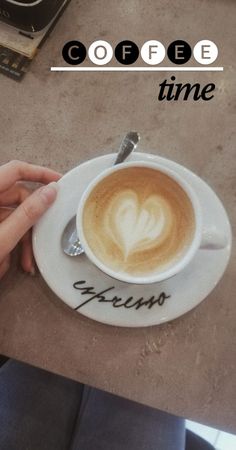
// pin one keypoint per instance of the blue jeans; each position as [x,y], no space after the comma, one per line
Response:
[42,411]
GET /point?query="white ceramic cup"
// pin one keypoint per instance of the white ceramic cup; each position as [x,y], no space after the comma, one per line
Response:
[205,239]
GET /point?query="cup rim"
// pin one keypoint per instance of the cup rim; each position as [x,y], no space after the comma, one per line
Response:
[175,268]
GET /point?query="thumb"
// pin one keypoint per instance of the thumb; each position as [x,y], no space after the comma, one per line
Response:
[25,216]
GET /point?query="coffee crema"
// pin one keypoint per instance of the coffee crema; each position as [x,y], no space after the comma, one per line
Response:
[138,221]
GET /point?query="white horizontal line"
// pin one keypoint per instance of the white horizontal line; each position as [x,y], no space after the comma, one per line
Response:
[136,69]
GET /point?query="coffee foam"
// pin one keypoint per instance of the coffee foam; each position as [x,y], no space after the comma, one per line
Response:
[138,220]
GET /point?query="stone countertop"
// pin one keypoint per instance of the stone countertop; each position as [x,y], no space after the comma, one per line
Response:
[186,367]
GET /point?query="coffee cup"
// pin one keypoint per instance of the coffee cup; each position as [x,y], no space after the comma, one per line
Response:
[141,222]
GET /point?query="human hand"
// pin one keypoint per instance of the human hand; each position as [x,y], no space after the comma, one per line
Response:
[20,208]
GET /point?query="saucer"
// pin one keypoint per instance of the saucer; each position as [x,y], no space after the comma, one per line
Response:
[86,289]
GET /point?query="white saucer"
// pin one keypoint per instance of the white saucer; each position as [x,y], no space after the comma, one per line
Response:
[98,296]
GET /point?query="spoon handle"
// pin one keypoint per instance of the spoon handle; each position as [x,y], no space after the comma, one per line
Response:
[128,144]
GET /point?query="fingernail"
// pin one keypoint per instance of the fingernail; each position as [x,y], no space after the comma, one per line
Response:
[49,192]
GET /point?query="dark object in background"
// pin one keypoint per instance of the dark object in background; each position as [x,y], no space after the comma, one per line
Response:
[3,359]
[195,442]
[28,15]
[14,65]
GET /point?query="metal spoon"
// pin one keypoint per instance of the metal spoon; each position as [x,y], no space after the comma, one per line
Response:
[70,241]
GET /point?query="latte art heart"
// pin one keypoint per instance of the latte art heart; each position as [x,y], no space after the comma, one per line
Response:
[138,221]
[134,226]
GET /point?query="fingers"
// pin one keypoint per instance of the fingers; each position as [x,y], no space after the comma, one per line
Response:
[15,195]
[25,216]
[15,171]
[27,258]
[4,266]
[14,223]
[5,212]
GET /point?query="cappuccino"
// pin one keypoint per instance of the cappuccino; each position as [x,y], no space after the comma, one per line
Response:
[138,221]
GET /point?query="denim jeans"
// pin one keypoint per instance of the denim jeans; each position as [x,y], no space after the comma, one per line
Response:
[43,411]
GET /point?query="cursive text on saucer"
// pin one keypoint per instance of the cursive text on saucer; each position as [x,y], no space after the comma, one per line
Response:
[117,302]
